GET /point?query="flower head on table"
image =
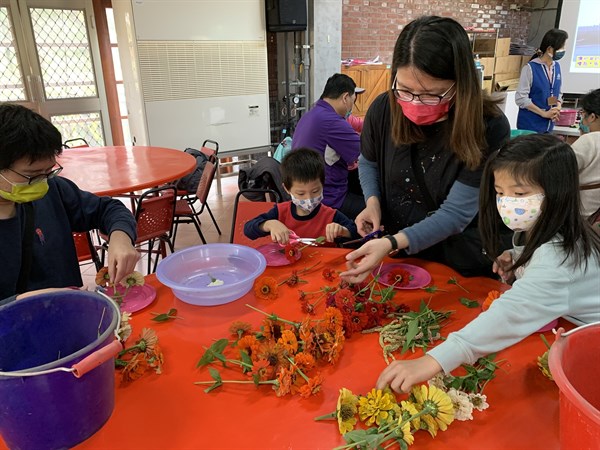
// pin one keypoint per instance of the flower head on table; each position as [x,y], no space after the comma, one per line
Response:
[144,355]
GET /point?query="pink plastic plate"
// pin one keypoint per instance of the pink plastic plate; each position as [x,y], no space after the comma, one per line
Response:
[421,277]
[275,256]
[137,298]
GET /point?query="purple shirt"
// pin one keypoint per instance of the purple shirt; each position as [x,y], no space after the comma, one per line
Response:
[325,131]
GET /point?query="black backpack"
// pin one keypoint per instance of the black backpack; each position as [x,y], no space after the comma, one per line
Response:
[264,174]
[190,181]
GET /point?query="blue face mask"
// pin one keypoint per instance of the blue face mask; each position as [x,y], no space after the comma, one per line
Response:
[558,55]
[584,128]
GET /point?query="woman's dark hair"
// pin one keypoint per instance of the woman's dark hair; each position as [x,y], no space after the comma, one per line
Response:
[26,134]
[546,161]
[590,102]
[302,165]
[554,38]
[440,47]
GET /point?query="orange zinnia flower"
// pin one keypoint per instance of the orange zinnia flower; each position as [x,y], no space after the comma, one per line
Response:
[239,328]
[304,361]
[288,342]
[266,288]
[135,368]
[102,278]
[261,369]
[148,340]
[312,386]
[333,319]
[284,382]
[249,344]
[491,297]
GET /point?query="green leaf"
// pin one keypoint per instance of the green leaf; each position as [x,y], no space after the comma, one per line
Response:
[214,373]
[469,303]
[215,351]
[213,387]
[245,359]
[161,318]
[172,312]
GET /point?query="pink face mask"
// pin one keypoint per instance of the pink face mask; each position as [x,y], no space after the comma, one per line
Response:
[421,114]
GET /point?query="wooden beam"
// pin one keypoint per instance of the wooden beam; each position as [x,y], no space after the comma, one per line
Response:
[108,70]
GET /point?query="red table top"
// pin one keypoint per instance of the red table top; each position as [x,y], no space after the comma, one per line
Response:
[169,411]
[117,170]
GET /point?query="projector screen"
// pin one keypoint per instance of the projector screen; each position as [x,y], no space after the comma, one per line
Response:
[581,64]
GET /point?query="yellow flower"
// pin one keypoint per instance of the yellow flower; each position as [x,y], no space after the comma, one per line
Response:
[133,279]
[542,363]
[346,410]
[409,410]
[438,405]
[375,407]
[405,430]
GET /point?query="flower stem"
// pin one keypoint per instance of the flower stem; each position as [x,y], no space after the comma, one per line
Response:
[331,415]
[274,317]
[238,382]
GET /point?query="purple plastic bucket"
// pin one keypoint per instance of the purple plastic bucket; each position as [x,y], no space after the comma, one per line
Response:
[44,332]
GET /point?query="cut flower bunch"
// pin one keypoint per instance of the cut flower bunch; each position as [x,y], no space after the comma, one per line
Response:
[283,354]
[119,290]
[430,407]
[388,421]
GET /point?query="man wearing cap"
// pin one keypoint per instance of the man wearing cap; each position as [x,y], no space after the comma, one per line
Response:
[324,128]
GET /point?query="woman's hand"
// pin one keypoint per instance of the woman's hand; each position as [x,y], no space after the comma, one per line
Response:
[279,232]
[372,253]
[552,114]
[369,219]
[402,375]
[122,256]
[501,265]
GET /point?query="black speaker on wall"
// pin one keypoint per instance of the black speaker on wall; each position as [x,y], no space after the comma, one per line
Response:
[285,15]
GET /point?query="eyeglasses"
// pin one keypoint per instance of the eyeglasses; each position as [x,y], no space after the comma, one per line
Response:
[41,177]
[426,99]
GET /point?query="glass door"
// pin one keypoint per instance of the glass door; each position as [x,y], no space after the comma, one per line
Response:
[50,62]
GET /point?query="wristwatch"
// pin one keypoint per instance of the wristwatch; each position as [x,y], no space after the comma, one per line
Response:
[393,241]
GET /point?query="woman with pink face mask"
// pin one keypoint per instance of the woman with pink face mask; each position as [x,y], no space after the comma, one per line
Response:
[423,147]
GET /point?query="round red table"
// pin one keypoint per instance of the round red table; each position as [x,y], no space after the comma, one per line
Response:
[118,170]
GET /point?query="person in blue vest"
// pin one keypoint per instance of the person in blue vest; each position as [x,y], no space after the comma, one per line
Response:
[539,95]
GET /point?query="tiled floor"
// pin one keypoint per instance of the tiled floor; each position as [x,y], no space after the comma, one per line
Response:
[187,236]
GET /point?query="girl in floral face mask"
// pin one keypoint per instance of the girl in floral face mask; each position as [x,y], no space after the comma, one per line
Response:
[532,182]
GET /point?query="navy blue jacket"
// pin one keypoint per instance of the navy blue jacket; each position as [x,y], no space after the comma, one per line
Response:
[64,209]
[541,89]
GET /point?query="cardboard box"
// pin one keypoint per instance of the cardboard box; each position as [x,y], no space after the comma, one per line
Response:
[487,86]
[503,47]
[506,81]
[508,64]
[484,45]
[525,59]
[488,66]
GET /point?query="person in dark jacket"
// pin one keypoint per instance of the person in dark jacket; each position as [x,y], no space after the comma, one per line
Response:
[39,211]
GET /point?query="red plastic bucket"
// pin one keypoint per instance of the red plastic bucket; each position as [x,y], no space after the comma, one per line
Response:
[56,368]
[575,367]
[567,117]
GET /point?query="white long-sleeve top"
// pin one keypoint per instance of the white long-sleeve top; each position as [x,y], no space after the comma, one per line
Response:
[547,288]
[587,150]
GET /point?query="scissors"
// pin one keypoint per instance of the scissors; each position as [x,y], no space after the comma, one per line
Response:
[374,235]
[295,239]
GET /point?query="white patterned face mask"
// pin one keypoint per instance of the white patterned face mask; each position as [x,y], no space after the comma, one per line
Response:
[519,213]
[307,204]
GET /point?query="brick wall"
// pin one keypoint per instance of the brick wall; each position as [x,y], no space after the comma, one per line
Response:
[371,27]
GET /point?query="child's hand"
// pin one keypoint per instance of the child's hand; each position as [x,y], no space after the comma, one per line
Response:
[334,230]
[501,265]
[279,232]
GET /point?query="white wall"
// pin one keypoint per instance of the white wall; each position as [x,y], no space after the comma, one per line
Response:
[186,63]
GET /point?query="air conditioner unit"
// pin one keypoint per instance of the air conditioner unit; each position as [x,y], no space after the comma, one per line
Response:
[195,70]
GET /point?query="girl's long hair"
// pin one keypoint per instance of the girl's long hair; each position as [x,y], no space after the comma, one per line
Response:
[545,161]
[440,47]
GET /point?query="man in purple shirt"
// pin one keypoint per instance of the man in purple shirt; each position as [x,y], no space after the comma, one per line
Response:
[324,128]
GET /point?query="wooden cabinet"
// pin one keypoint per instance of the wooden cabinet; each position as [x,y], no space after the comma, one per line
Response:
[375,79]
